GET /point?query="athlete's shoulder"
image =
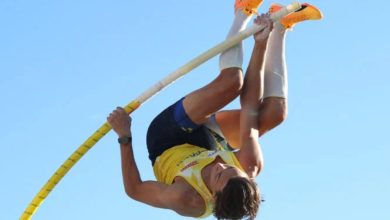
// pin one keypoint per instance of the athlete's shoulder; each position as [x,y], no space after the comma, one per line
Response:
[191,203]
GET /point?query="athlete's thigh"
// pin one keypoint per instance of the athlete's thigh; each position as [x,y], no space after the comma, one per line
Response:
[229,123]
[199,105]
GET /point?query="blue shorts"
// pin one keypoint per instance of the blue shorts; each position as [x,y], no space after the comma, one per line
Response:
[173,127]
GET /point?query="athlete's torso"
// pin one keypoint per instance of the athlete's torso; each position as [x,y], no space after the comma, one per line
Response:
[184,164]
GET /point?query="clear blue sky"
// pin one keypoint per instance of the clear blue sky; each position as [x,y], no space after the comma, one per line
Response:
[64,65]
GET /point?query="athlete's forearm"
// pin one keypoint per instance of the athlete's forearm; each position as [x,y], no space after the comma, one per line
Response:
[254,77]
[150,192]
[121,124]
[130,173]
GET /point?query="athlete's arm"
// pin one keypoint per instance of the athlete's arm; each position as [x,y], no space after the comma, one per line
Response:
[150,192]
[250,155]
[153,193]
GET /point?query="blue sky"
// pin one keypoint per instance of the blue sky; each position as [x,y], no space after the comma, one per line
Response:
[64,65]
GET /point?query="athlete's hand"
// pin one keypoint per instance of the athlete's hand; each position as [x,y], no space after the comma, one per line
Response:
[120,122]
[262,36]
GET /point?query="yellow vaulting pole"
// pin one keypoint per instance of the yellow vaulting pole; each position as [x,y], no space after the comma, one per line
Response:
[105,128]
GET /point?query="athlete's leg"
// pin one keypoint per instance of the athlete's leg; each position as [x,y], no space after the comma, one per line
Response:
[202,103]
[273,109]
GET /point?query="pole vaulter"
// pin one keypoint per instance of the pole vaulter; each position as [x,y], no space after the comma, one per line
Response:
[129,108]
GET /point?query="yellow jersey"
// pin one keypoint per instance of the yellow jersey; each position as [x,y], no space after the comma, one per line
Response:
[187,161]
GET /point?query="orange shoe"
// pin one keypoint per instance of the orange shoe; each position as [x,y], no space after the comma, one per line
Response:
[249,7]
[307,12]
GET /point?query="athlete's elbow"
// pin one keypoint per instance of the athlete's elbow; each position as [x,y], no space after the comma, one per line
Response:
[254,170]
[131,191]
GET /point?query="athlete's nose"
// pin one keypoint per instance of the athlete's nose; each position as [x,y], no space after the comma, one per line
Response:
[220,166]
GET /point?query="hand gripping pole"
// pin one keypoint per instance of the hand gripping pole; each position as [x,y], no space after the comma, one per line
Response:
[105,128]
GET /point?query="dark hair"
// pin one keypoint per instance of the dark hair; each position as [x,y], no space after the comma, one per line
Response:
[240,198]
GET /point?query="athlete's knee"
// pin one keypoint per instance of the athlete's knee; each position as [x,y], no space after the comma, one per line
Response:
[279,109]
[279,117]
[232,80]
[273,112]
[280,113]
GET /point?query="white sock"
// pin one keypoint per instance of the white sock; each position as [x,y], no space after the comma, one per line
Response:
[233,57]
[275,71]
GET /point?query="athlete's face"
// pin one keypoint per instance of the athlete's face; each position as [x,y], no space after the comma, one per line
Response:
[220,175]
